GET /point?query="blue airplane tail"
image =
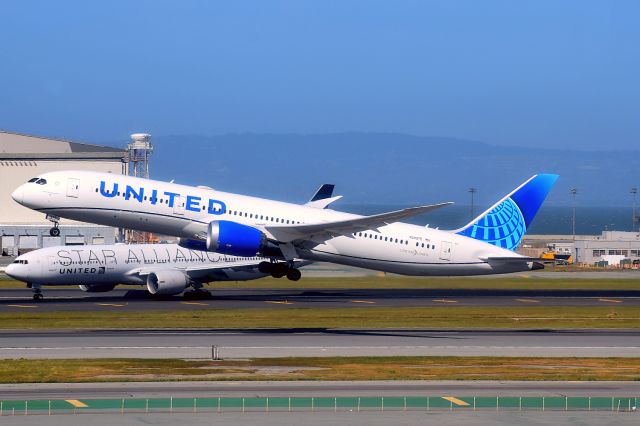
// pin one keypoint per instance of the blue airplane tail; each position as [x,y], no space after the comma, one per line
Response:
[506,222]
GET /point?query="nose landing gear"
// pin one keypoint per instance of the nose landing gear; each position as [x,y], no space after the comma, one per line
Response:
[37,292]
[55,231]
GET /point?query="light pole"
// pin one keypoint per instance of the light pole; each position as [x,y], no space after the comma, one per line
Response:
[574,192]
[472,191]
[634,193]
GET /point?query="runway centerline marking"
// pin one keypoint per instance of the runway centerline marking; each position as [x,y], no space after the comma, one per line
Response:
[110,304]
[445,301]
[76,403]
[456,401]
[22,306]
[610,300]
[528,300]
[362,301]
[195,303]
[279,302]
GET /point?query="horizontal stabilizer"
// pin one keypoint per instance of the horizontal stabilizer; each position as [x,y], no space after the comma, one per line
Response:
[510,259]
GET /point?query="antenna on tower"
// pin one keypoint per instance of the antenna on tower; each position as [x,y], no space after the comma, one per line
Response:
[139,150]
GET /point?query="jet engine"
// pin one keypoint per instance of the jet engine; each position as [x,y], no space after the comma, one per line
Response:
[97,288]
[167,282]
[192,244]
[236,239]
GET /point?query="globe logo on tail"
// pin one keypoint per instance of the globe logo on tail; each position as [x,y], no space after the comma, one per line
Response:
[502,226]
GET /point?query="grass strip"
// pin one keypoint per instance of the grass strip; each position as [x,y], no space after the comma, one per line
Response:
[334,368]
[284,316]
[396,282]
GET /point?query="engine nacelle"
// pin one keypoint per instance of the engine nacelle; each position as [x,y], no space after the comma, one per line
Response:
[235,239]
[192,244]
[167,282]
[97,288]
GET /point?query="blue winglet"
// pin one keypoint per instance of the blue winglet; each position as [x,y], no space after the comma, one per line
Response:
[506,222]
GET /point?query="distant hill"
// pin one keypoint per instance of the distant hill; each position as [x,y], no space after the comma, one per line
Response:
[387,168]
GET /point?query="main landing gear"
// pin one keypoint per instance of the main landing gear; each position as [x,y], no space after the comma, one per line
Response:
[55,231]
[279,270]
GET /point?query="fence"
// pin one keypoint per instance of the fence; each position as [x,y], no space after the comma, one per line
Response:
[284,404]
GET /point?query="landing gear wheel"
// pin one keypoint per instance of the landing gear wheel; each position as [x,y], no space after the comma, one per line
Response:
[279,270]
[54,232]
[294,274]
[264,267]
[37,294]
[197,295]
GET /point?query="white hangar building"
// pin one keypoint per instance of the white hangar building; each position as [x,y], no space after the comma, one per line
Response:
[23,157]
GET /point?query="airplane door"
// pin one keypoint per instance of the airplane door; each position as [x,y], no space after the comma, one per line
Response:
[178,205]
[73,187]
[445,250]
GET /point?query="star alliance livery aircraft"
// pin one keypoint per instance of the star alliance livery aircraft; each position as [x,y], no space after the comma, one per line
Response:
[245,226]
[165,269]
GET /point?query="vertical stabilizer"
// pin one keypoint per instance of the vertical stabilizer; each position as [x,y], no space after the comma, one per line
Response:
[506,222]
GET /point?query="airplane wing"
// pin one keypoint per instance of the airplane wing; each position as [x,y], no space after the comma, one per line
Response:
[326,230]
[206,266]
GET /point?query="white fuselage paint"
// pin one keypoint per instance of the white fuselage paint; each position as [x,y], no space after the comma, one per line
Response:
[120,263]
[77,195]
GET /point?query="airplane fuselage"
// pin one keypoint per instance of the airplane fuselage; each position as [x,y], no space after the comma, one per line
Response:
[126,264]
[185,211]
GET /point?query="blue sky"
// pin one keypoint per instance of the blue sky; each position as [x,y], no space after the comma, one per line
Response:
[529,73]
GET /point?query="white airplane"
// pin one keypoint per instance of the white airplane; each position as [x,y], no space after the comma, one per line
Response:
[165,269]
[239,225]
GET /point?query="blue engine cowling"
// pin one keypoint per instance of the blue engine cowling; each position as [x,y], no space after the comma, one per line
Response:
[235,239]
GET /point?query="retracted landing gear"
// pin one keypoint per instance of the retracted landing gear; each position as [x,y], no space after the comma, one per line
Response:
[55,231]
[279,270]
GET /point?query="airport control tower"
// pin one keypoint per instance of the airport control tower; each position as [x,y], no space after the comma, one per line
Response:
[139,150]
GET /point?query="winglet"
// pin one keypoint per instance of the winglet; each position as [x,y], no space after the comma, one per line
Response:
[323,197]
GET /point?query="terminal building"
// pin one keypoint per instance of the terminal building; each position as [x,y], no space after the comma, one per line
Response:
[23,157]
[611,248]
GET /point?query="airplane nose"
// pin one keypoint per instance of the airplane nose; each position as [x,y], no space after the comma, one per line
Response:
[18,194]
[15,272]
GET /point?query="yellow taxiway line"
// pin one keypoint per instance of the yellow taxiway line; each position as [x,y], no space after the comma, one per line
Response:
[195,303]
[279,302]
[362,301]
[610,300]
[110,304]
[456,401]
[22,306]
[445,301]
[76,403]
[528,300]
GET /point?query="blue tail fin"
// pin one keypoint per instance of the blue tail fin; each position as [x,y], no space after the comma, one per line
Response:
[506,222]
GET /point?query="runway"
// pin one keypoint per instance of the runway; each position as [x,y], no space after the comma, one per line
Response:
[13,300]
[268,343]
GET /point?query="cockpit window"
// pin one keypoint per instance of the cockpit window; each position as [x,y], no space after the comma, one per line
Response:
[33,180]
[41,181]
